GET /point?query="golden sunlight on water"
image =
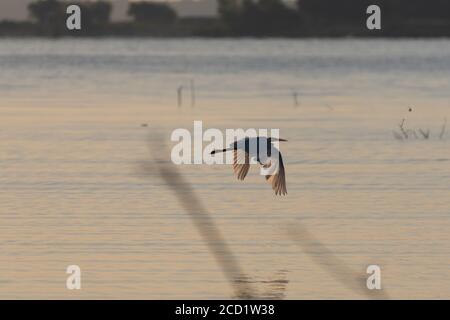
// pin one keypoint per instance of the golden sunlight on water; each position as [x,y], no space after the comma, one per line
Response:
[72,193]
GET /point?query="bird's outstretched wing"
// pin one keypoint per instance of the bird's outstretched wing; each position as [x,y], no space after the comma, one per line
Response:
[241,163]
[278,178]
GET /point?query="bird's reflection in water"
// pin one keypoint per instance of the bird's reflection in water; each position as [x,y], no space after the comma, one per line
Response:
[273,288]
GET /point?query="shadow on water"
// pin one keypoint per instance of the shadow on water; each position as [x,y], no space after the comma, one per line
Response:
[200,217]
[243,285]
[331,263]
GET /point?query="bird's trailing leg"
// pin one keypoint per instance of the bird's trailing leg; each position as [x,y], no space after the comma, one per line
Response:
[220,150]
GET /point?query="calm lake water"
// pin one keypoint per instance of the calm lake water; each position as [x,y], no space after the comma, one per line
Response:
[72,138]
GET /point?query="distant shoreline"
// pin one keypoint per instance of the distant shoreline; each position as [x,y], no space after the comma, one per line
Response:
[213,28]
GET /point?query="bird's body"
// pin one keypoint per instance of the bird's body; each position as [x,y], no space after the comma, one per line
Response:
[259,150]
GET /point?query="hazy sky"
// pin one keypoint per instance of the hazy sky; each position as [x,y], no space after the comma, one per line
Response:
[17,9]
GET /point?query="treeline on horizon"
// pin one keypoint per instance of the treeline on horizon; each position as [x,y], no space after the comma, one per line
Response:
[235,18]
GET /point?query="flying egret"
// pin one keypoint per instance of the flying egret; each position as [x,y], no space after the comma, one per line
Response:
[261,150]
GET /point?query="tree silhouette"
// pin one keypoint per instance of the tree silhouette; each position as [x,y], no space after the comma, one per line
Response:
[46,12]
[259,18]
[98,12]
[150,12]
[228,9]
[354,10]
[49,15]
[245,18]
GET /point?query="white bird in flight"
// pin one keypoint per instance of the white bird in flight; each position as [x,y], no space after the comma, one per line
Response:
[265,154]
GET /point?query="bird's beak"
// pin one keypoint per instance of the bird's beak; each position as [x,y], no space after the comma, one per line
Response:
[284,140]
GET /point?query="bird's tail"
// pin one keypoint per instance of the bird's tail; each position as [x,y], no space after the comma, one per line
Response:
[220,150]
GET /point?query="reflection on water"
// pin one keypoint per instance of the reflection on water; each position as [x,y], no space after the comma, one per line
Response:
[272,288]
[71,137]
